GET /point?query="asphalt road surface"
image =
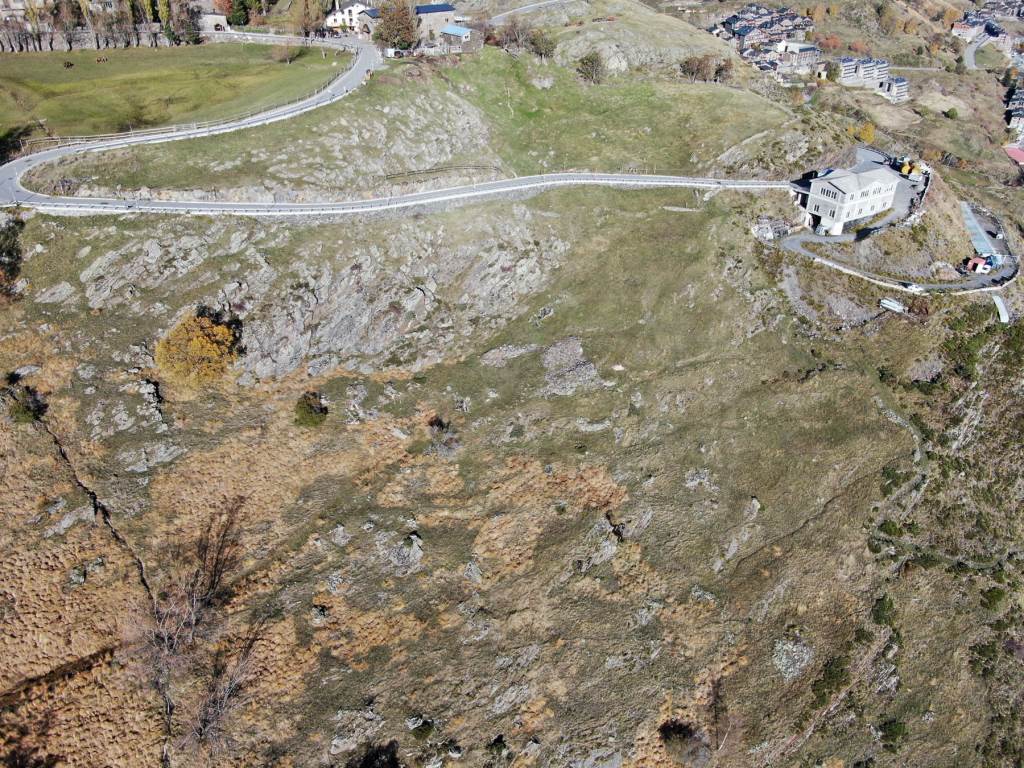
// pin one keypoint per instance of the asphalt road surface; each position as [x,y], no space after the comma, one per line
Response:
[367,59]
[993,281]
[972,49]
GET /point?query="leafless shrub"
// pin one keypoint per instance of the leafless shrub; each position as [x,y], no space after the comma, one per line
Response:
[515,34]
[180,608]
[164,641]
[284,54]
[230,675]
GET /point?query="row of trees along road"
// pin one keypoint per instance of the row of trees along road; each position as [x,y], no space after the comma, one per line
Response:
[127,23]
[67,23]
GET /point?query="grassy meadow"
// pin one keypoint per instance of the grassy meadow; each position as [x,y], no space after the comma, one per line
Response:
[147,87]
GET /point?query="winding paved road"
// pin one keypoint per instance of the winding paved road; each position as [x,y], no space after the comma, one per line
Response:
[974,283]
[86,205]
[367,59]
[972,49]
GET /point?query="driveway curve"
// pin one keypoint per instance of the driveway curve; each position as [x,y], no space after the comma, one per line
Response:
[969,61]
[975,283]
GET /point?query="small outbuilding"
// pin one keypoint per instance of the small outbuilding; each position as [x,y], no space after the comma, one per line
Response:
[456,34]
[455,37]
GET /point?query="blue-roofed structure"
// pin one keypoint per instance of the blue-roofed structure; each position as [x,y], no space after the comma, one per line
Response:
[985,246]
[431,19]
[434,8]
[455,31]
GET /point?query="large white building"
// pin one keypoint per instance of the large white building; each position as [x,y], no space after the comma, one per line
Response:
[839,196]
[344,14]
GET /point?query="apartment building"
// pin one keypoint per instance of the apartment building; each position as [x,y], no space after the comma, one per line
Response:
[837,197]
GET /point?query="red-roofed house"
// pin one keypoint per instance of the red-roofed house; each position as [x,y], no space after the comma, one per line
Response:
[1016,154]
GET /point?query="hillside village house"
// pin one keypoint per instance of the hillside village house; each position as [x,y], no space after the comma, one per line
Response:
[454,37]
[344,15]
[840,196]
[797,57]
[430,20]
[760,34]
[755,25]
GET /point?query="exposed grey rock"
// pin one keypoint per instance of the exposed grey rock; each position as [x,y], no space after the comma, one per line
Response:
[84,514]
[404,556]
[510,698]
[567,370]
[81,572]
[116,276]
[499,356]
[56,294]
[414,296]
[335,582]
[472,573]
[606,757]
[700,478]
[791,658]
[145,458]
[339,536]
[354,728]
[24,371]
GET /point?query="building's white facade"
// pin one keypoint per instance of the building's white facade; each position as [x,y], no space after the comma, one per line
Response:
[797,57]
[839,196]
[344,14]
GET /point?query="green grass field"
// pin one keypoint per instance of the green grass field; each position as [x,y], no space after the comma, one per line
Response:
[144,87]
[538,117]
[664,124]
[990,57]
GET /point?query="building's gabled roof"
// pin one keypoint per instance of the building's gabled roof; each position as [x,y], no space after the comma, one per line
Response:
[434,8]
[848,182]
[349,4]
[373,13]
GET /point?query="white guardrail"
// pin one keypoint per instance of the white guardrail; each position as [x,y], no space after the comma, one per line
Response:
[41,144]
[485,189]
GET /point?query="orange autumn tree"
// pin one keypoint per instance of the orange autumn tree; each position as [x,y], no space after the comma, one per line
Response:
[198,349]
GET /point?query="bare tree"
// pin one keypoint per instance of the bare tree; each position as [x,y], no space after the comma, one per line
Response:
[66,20]
[699,67]
[306,16]
[10,35]
[515,34]
[34,16]
[146,15]
[87,16]
[184,22]
[225,691]
[166,638]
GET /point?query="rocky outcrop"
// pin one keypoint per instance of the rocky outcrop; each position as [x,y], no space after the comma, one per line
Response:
[410,300]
